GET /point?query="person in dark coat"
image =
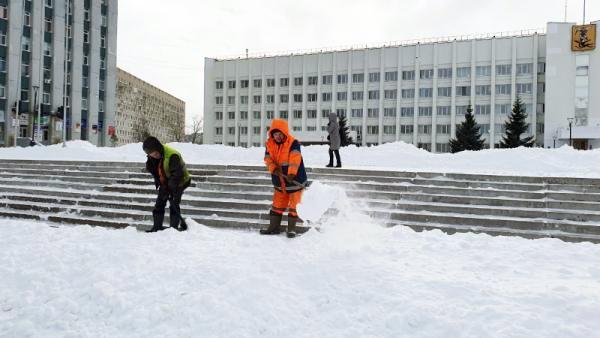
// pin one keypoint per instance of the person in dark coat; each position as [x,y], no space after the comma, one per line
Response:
[333,128]
[171,178]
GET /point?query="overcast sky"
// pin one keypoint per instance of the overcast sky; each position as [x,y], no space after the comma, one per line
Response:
[165,42]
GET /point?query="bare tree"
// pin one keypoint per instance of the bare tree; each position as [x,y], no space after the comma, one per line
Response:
[177,129]
[196,128]
[140,130]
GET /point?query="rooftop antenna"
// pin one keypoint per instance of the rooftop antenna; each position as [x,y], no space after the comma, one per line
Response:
[246,53]
[566,1]
[584,12]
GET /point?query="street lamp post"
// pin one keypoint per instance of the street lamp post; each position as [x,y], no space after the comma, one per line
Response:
[570,119]
[35,100]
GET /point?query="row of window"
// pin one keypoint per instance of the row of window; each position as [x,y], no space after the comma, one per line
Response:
[424,129]
[424,74]
[388,94]
[483,109]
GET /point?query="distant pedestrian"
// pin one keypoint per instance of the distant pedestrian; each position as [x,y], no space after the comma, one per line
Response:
[171,178]
[333,128]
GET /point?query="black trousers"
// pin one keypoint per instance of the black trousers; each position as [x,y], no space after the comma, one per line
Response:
[337,157]
[174,210]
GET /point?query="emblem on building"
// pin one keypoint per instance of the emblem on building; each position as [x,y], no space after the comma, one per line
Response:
[583,38]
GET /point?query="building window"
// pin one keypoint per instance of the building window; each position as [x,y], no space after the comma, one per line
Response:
[483,71]
[25,70]
[104,21]
[391,76]
[373,94]
[484,90]
[442,147]
[443,110]
[219,100]
[312,80]
[3,12]
[372,130]
[243,115]
[311,97]
[408,75]
[297,98]
[244,99]
[327,79]
[218,115]
[297,114]
[2,39]
[256,99]
[231,115]
[256,115]
[284,98]
[390,94]
[340,112]
[86,37]
[47,48]
[373,112]
[425,111]
[524,88]
[443,129]
[373,77]
[284,82]
[444,91]
[2,92]
[326,97]
[325,113]
[463,72]
[25,43]
[407,111]
[85,82]
[357,96]
[524,68]
[103,41]
[27,19]
[445,73]
[311,114]
[503,69]
[483,109]
[244,83]
[230,99]
[503,89]
[298,81]
[219,131]
[283,114]
[408,93]
[424,129]
[270,114]
[425,92]
[2,64]
[100,106]
[270,82]
[102,64]
[46,98]
[219,85]
[463,91]
[86,15]
[389,130]
[342,96]
[342,78]
[426,74]
[358,78]
[84,104]
[503,108]
[389,112]
[461,110]
[231,84]
[270,98]
[407,129]
[257,83]
[231,130]
[357,112]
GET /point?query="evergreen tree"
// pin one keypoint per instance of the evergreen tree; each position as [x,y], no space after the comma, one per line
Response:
[515,126]
[468,135]
[344,132]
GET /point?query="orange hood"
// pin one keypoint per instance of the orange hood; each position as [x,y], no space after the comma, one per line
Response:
[282,126]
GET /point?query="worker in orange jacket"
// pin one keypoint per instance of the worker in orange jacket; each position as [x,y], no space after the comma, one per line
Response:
[288,175]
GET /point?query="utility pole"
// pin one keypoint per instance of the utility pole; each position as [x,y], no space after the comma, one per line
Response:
[41,72]
[584,12]
[66,68]
[17,121]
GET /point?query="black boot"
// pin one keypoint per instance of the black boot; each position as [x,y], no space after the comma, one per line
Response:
[291,229]
[338,159]
[274,225]
[330,165]
[158,221]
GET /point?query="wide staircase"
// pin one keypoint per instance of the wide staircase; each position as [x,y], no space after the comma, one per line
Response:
[119,195]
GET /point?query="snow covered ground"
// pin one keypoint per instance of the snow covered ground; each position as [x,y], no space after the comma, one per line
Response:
[397,156]
[354,278]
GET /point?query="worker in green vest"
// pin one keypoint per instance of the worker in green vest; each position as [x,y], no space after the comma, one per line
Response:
[171,178]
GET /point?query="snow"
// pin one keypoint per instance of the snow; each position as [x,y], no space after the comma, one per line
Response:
[563,161]
[351,279]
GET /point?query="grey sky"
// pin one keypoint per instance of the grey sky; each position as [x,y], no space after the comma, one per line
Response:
[165,42]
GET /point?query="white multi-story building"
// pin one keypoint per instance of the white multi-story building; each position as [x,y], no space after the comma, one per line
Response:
[414,92]
[33,55]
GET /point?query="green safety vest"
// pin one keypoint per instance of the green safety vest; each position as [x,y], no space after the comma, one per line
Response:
[168,152]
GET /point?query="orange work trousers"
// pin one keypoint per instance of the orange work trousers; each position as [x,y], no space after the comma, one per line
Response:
[286,201]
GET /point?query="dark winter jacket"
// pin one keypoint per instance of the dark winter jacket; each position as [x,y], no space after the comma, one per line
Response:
[333,128]
[176,177]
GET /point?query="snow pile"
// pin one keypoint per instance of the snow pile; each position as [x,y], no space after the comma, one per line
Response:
[351,280]
[400,156]
[317,199]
